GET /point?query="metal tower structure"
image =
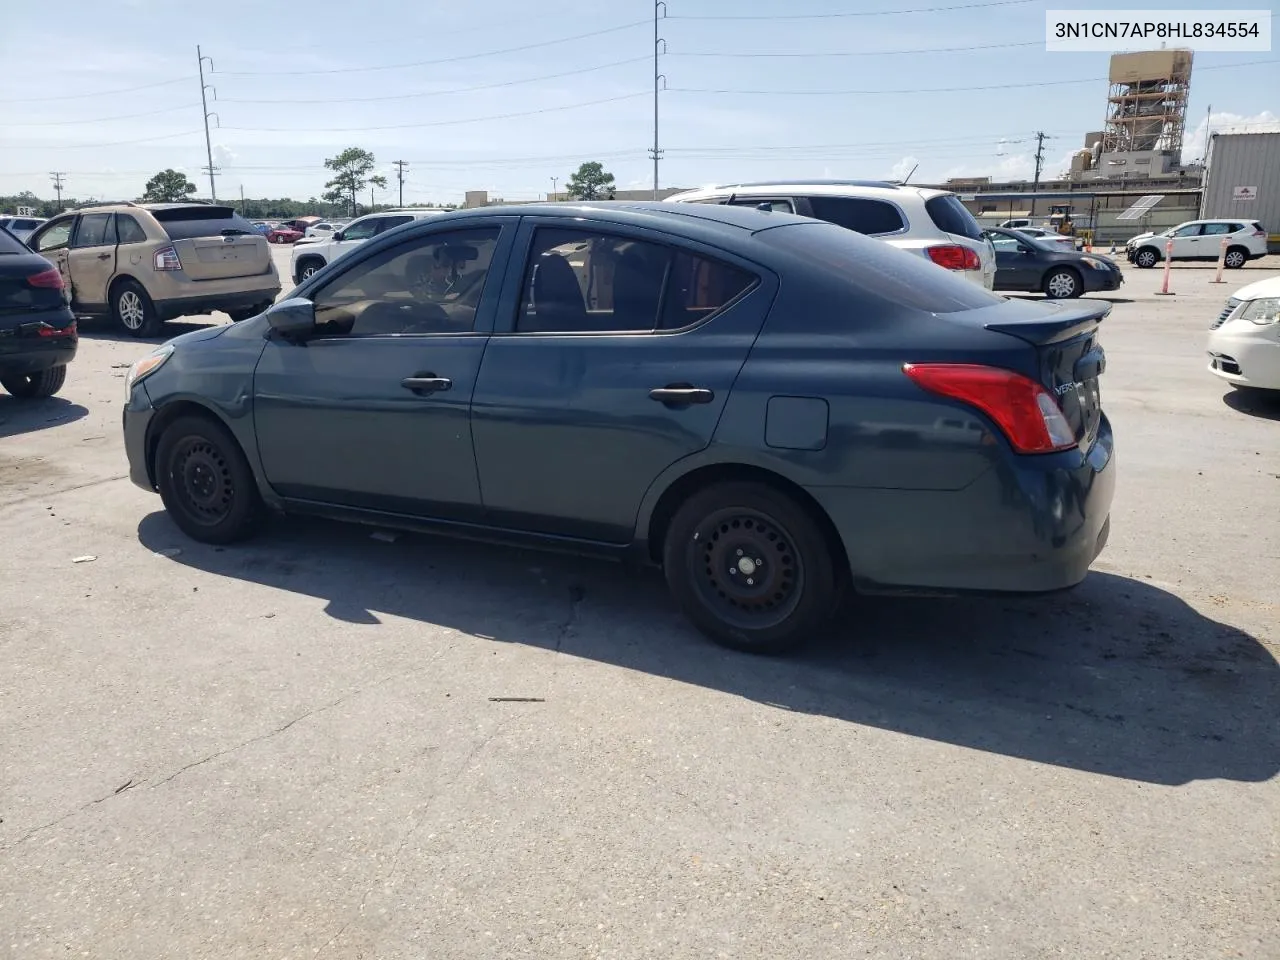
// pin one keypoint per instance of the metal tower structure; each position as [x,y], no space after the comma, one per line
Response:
[1147,103]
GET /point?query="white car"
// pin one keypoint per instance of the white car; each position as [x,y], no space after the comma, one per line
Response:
[21,227]
[1201,240]
[929,223]
[322,229]
[1048,236]
[311,253]
[1244,342]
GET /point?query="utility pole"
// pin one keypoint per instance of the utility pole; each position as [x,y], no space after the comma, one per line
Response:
[400,165]
[371,198]
[659,46]
[204,108]
[57,176]
[1040,137]
[554,196]
[242,213]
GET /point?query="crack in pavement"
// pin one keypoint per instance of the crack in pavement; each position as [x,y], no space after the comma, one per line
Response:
[57,493]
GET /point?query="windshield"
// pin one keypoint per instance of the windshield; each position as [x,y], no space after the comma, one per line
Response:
[185,223]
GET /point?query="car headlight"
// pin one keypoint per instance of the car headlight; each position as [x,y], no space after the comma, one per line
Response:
[148,365]
[1264,311]
[1093,263]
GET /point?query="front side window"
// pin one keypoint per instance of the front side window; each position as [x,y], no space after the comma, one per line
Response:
[583,281]
[57,236]
[870,217]
[362,230]
[1190,230]
[427,285]
[92,231]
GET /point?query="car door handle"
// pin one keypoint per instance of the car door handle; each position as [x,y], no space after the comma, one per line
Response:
[426,383]
[681,394]
[104,256]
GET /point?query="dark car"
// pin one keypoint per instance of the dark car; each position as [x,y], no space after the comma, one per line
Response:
[1025,263]
[769,407]
[37,329]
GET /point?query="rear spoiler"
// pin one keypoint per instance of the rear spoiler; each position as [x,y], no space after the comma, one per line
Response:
[1060,322]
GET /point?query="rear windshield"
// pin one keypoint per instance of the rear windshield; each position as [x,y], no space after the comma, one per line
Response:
[949,215]
[184,223]
[878,268]
[10,244]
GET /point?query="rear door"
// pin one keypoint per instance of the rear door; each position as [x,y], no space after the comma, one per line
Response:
[214,243]
[613,357]
[92,259]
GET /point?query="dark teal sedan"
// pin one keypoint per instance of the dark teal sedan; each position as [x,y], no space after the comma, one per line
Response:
[773,409]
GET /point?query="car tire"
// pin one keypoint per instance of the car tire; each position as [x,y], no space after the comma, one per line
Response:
[1146,258]
[29,386]
[750,568]
[1236,257]
[309,268]
[133,309]
[1063,284]
[205,481]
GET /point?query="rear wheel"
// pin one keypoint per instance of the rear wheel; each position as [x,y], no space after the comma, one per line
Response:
[1236,258]
[205,481]
[1063,284]
[133,309]
[28,386]
[750,568]
[1146,258]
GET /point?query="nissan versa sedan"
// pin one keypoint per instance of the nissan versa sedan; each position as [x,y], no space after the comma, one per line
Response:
[771,408]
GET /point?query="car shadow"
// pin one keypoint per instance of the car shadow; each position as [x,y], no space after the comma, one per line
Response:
[106,329]
[1042,298]
[27,416]
[1256,403]
[1116,677]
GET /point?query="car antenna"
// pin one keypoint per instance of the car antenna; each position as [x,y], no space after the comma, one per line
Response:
[908,176]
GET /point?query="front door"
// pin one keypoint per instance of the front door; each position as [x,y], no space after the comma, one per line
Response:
[1186,242]
[613,356]
[92,260]
[53,242]
[373,410]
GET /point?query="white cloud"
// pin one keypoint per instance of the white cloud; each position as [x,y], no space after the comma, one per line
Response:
[224,156]
[903,167]
[1193,144]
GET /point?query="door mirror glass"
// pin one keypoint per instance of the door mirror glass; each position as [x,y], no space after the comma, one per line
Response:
[337,234]
[294,318]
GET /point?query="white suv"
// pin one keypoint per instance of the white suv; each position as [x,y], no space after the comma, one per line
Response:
[1201,240]
[312,253]
[930,223]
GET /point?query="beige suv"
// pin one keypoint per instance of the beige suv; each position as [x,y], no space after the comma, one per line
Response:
[147,263]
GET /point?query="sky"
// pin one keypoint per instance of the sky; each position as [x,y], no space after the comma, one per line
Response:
[501,96]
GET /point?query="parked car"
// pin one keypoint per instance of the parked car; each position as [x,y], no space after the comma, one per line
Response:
[37,329]
[1057,240]
[310,254]
[929,223]
[322,229]
[300,223]
[21,227]
[282,234]
[1202,240]
[1244,342]
[1018,223]
[143,264]
[749,400]
[1026,263]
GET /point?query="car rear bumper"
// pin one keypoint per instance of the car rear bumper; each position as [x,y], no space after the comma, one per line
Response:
[22,351]
[1033,524]
[226,301]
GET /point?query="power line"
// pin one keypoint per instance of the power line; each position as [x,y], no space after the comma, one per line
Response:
[810,54]
[86,146]
[97,93]
[72,123]
[441,93]
[859,13]
[428,63]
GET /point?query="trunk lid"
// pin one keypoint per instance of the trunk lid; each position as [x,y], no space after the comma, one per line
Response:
[21,302]
[1069,356]
[214,242]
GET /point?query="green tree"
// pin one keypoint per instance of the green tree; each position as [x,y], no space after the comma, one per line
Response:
[351,174]
[590,182]
[168,185]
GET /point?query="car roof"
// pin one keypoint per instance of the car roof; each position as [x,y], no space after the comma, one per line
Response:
[830,188]
[710,218]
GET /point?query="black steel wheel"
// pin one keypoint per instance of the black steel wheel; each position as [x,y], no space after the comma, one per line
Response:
[750,567]
[205,481]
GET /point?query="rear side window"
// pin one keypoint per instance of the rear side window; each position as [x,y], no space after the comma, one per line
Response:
[128,230]
[390,223]
[949,215]
[857,213]
[185,223]
[879,269]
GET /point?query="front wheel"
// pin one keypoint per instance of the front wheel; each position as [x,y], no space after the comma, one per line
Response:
[1146,258]
[308,270]
[750,568]
[205,481]
[1235,258]
[1063,285]
[29,386]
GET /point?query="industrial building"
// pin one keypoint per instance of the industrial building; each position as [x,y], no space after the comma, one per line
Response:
[1242,179]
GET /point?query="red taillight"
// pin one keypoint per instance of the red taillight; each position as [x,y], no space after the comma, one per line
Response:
[167,259]
[49,279]
[1259,232]
[47,331]
[954,257]
[1022,408]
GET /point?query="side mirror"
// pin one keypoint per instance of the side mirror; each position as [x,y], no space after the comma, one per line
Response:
[294,319]
[337,235]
